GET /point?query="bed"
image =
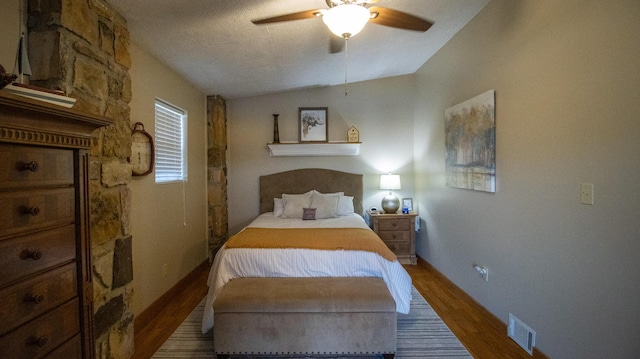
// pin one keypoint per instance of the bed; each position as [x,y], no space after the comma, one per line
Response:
[281,196]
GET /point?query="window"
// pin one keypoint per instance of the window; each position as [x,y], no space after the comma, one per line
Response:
[170,143]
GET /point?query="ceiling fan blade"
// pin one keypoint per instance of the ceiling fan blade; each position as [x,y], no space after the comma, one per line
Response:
[336,44]
[394,18]
[308,14]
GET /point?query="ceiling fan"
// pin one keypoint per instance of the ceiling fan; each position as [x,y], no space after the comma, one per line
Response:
[346,18]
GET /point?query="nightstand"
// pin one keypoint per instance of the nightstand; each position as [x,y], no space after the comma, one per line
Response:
[397,231]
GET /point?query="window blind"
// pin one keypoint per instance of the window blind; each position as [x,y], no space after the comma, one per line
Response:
[170,143]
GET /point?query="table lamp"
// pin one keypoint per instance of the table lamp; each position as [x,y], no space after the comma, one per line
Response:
[390,203]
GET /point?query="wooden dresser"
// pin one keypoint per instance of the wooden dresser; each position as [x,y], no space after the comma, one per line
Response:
[46,308]
[397,231]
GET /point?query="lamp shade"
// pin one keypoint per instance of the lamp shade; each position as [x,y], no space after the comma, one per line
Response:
[346,20]
[390,182]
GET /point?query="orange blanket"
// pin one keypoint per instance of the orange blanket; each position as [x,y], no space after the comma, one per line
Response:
[350,239]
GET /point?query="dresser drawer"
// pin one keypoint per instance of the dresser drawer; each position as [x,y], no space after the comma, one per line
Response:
[69,350]
[23,211]
[36,338]
[30,166]
[23,256]
[396,224]
[31,298]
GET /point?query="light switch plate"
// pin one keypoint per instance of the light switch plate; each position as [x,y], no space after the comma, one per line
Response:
[586,193]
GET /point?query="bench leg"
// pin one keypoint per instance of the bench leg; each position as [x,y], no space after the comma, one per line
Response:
[388,356]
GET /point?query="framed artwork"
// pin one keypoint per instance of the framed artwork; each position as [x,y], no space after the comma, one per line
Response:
[470,140]
[313,124]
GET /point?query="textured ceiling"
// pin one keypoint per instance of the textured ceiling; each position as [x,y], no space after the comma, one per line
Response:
[214,45]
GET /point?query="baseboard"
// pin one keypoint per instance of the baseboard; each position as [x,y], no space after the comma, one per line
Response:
[146,316]
[537,354]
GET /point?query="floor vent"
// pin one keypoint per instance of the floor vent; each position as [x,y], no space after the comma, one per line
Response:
[521,334]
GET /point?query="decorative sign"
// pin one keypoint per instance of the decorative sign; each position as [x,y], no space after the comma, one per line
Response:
[353,135]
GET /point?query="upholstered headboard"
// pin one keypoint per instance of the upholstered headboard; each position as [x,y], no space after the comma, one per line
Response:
[304,180]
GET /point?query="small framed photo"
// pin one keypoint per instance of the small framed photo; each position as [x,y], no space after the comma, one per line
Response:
[313,124]
[407,204]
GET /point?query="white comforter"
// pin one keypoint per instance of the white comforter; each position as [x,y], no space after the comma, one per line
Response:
[249,262]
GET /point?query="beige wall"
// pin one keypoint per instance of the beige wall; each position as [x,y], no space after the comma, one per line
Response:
[381,110]
[158,210]
[9,33]
[567,82]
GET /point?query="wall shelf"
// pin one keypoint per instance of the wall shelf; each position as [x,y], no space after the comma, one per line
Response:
[314,149]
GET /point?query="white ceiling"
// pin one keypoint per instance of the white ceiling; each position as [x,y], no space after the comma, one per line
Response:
[214,45]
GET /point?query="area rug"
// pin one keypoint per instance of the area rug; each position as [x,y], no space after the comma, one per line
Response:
[421,334]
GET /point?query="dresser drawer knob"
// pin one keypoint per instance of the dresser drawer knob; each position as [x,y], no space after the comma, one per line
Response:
[394,236]
[32,211]
[40,342]
[31,166]
[36,298]
[27,254]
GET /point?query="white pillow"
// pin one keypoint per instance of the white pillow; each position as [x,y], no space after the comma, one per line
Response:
[294,204]
[278,207]
[345,206]
[326,206]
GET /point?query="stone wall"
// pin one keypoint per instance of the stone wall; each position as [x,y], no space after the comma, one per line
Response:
[82,47]
[217,172]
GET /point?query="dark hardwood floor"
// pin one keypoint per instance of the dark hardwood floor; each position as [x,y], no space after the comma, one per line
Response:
[482,334]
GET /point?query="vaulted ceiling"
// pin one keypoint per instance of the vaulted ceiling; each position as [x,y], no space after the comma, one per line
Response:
[214,45]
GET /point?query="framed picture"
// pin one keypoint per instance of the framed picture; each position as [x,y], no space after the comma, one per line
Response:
[470,141]
[313,124]
[408,204]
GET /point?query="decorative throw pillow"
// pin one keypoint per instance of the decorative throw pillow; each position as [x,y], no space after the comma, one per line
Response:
[294,203]
[326,206]
[278,207]
[308,213]
[345,206]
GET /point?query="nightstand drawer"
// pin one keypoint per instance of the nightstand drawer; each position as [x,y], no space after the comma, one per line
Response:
[396,224]
[391,236]
[399,248]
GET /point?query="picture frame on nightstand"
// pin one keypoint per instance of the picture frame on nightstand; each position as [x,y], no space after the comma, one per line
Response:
[408,204]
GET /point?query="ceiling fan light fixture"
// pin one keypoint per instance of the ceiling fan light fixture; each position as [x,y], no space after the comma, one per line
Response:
[346,20]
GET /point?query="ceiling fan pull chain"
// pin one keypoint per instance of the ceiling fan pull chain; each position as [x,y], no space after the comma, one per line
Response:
[346,63]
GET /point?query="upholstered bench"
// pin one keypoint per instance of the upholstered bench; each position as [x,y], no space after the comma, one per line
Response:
[289,316]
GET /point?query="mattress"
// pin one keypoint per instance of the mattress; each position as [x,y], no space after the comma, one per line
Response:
[298,262]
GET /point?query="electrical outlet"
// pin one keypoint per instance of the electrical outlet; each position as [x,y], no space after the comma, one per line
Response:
[164,270]
[483,271]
